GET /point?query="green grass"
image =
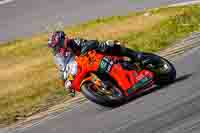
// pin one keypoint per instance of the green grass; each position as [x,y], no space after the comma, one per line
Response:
[28,77]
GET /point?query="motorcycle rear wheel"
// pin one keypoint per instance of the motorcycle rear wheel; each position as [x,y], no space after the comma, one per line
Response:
[166,73]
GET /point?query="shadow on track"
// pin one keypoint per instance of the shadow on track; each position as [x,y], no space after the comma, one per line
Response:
[156,88]
[184,77]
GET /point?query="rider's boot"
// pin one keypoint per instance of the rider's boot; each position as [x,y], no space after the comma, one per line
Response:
[135,55]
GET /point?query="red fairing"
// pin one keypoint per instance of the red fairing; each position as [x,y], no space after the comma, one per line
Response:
[86,64]
[126,79]
[81,75]
[123,77]
[78,79]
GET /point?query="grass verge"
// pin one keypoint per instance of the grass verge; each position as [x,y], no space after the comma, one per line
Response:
[29,79]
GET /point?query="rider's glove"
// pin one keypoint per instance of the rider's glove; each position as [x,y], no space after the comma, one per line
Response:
[68,84]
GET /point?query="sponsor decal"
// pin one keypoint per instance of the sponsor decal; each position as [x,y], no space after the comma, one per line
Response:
[105,65]
[143,82]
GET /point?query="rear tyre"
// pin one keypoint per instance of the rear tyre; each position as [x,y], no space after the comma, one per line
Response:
[165,71]
[101,99]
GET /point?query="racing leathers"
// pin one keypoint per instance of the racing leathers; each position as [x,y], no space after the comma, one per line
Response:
[81,46]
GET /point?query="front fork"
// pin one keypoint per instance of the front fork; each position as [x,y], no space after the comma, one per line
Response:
[99,85]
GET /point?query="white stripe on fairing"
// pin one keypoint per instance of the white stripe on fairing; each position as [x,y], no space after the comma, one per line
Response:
[185,3]
[2,2]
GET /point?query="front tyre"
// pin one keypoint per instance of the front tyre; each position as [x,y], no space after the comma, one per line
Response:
[113,99]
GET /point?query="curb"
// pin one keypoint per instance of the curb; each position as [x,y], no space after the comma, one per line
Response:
[185,3]
[2,2]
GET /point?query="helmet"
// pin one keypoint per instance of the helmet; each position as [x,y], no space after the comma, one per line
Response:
[56,38]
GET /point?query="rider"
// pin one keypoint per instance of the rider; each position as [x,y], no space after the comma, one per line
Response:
[65,49]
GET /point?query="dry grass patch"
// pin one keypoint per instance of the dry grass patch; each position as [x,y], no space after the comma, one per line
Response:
[117,29]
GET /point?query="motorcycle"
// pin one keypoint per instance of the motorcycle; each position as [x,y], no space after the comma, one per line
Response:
[109,80]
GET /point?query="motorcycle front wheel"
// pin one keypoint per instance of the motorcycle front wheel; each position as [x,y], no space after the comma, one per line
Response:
[111,98]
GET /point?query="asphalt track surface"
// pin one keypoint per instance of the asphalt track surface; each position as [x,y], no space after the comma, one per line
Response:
[172,109]
[20,18]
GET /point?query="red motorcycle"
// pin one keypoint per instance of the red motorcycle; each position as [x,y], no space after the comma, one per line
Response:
[111,80]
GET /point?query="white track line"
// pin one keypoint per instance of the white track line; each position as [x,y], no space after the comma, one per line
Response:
[2,2]
[185,3]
